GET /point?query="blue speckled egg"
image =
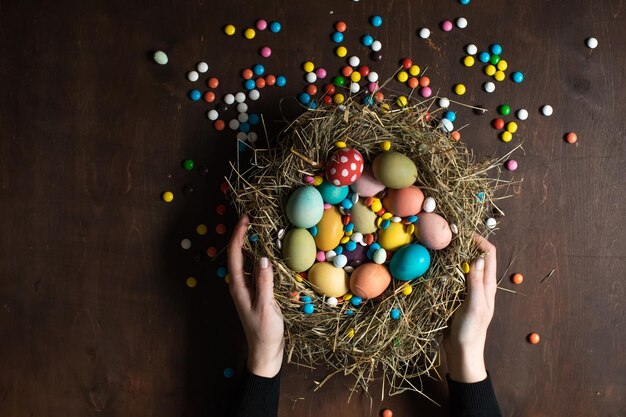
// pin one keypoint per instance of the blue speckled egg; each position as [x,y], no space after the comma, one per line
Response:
[409,262]
[305,207]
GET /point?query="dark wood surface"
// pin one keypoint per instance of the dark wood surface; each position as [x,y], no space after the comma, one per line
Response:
[95,317]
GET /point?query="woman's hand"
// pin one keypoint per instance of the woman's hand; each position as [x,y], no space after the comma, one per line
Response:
[465,341]
[258,311]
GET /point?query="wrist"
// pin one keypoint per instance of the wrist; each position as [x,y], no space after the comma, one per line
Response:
[466,365]
[265,364]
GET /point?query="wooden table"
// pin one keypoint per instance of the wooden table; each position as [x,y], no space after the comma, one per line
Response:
[95,316]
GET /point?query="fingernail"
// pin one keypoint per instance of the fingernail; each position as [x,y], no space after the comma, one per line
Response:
[264,263]
[479,264]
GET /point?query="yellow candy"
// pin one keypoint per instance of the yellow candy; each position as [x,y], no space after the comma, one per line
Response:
[402,101]
[201,229]
[511,127]
[229,30]
[414,70]
[317,180]
[341,51]
[340,144]
[376,205]
[402,76]
[385,107]
[468,61]
[490,70]
[167,196]
[345,240]
[355,76]
[379,222]
[386,216]
[347,297]
[410,228]
[298,277]
[459,89]
[249,33]
[465,267]
[386,145]
[499,76]
[348,234]
[308,66]
[407,290]
[191,282]
[506,136]
[227,278]
[338,98]
[351,333]
[502,65]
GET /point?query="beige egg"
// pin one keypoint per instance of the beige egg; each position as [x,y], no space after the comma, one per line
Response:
[394,170]
[329,230]
[363,218]
[394,237]
[369,280]
[299,250]
[328,280]
[433,231]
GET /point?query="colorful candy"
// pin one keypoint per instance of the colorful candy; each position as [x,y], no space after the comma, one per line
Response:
[160,57]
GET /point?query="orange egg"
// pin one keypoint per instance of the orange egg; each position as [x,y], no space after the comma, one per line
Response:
[369,280]
[433,231]
[404,202]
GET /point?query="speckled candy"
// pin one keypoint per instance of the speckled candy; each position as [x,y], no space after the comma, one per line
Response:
[344,167]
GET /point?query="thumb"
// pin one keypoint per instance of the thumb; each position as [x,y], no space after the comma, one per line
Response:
[264,281]
[475,290]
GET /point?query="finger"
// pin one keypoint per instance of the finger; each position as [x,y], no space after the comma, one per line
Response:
[238,288]
[475,289]
[264,282]
[489,277]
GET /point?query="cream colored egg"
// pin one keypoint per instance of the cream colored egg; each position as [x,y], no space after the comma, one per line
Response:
[363,218]
[299,250]
[328,280]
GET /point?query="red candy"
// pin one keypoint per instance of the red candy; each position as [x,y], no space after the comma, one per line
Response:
[498,124]
[344,167]
[364,71]
[407,63]
[329,89]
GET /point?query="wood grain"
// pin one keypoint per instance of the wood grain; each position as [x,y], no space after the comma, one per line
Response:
[95,318]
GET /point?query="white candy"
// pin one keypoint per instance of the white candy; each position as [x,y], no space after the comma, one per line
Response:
[234,124]
[252,137]
[212,114]
[444,103]
[348,269]
[380,256]
[547,110]
[340,261]
[592,43]
[229,99]
[160,57]
[240,97]
[429,205]
[332,301]
[372,77]
[243,117]
[454,228]
[241,136]
[424,33]
[396,219]
[202,67]
[461,22]
[281,233]
[522,114]
[310,77]
[185,243]
[254,95]
[471,49]
[354,61]
[357,237]
[193,76]
[376,46]
[489,87]
[354,87]
[330,255]
[446,125]
[341,107]
[491,222]
[354,199]
[242,107]
[279,243]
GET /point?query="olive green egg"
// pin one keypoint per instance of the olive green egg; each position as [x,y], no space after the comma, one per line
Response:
[299,250]
[394,170]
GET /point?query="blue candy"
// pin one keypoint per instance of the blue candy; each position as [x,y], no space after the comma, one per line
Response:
[496,49]
[376,21]
[375,246]
[385,224]
[349,312]
[313,231]
[339,250]
[249,84]
[450,115]
[395,313]
[351,245]
[464,2]
[337,37]
[312,105]
[308,308]
[195,95]
[306,299]
[368,101]
[254,119]
[355,301]
[275,27]
[484,57]
[304,98]
[411,219]
[244,127]
[517,77]
[258,69]
[281,81]
[367,40]
[348,227]
[222,272]
[347,204]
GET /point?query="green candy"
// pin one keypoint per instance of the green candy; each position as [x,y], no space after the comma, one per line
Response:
[188,164]
[160,57]
[505,109]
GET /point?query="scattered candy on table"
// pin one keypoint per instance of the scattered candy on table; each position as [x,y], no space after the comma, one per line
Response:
[571,137]
[534,338]
[547,110]
[160,58]
[592,43]
[517,278]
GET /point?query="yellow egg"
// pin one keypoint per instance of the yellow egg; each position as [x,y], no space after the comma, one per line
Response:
[328,280]
[394,170]
[329,230]
[363,218]
[394,237]
[299,250]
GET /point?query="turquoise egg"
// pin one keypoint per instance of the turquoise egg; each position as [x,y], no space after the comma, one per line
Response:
[332,194]
[305,207]
[409,262]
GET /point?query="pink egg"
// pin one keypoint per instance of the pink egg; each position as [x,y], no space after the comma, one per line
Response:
[433,231]
[404,202]
[367,185]
[344,167]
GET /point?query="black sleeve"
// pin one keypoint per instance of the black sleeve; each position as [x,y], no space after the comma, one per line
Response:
[257,396]
[473,400]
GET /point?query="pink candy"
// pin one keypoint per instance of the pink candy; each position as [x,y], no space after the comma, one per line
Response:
[321,73]
[446,25]
[321,256]
[261,24]
[426,92]
[266,51]
[309,179]
[372,87]
[511,164]
[327,206]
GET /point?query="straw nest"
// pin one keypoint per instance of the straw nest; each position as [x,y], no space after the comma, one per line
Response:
[369,344]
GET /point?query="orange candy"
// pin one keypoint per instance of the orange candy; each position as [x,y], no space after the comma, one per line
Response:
[341,26]
[347,71]
[534,338]
[517,278]
[260,82]
[456,136]
[219,124]
[295,296]
[212,251]
[413,82]
[209,96]
[220,209]
[387,413]
[571,137]
[270,80]
[424,81]
[311,90]
[220,229]
[213,82]
[247,74]
[379,97]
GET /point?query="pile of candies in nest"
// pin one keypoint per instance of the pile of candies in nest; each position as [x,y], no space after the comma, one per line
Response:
[357,225]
